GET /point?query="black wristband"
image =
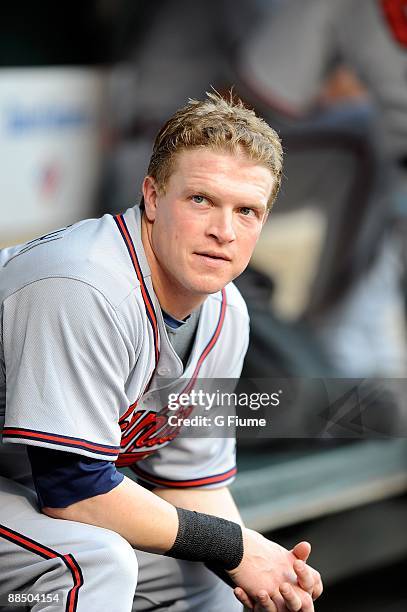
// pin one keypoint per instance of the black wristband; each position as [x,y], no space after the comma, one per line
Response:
[209,539]
[221,573]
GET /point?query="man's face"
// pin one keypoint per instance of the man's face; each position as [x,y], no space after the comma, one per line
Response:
[204,228]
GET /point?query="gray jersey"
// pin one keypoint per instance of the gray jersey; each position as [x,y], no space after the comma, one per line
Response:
[290,55]
[84,354]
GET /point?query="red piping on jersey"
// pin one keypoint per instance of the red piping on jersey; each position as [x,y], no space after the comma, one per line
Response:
[212,341]
[47,553]
[121,224]
[31,434]
[185,483]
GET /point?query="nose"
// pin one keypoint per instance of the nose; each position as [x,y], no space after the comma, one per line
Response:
[221,226]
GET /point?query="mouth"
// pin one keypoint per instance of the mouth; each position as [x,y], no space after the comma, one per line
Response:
[212,260]
[214,255]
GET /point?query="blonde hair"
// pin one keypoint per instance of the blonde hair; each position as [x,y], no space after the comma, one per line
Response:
[222,125]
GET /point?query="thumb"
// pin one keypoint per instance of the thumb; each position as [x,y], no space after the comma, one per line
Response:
[302,550]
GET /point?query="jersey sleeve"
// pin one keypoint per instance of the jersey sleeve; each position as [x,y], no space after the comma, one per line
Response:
[200,462]
[66,362]
[62,479]
[285,61]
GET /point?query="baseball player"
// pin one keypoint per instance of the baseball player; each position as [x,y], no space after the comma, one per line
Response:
[98,319]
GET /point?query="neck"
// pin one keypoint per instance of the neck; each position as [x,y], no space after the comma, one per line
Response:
[173,298]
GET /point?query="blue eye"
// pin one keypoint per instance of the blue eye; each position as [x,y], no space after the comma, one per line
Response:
[246,211]
[198,199]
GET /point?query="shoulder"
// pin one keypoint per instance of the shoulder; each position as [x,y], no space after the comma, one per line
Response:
[90,251]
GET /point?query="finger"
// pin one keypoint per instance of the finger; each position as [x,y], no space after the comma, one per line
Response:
[243,598]
[291,599]
[307,605]
[264,603]
[306,576]
[278,601]
[318,587]
[302,550]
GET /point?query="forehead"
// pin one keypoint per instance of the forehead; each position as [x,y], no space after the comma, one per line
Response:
[221,170]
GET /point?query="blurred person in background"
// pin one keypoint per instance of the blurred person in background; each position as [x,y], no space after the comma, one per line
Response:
[285,67]
[164,52]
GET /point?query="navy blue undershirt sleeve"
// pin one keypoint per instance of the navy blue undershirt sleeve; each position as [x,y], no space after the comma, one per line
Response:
[62,479]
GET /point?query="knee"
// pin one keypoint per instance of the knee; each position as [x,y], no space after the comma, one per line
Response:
[117,556]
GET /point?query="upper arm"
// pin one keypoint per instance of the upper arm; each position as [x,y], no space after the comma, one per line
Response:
[62,478]
[66,362]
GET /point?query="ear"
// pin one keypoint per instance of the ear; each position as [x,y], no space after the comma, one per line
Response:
[150,194]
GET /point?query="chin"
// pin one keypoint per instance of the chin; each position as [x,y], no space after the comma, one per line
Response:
[206,288]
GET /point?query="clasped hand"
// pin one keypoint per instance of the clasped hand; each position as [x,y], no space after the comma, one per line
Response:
[271,578]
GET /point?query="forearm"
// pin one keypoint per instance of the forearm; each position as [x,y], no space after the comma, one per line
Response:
[152,523]
[218,502]
[145,520]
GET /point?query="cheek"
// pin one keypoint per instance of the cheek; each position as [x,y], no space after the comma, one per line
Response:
[179,234]
[189,232]
[248,241]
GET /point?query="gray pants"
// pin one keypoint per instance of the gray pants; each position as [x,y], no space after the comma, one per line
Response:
[92,569]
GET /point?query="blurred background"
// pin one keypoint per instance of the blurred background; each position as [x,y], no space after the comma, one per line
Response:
[84,87]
